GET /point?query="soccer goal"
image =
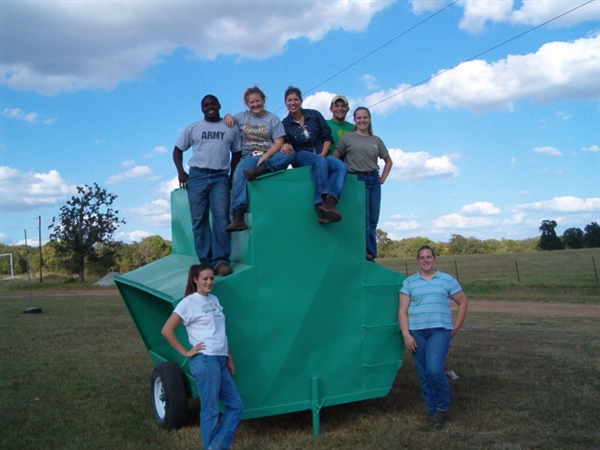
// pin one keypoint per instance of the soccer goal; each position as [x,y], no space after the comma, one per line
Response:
[6,267]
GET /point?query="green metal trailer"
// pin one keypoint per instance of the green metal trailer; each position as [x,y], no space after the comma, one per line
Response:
[310,322]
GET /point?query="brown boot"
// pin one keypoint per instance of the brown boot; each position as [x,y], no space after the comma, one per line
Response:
[329,211]
[251,174]
[321,213]
[237,223]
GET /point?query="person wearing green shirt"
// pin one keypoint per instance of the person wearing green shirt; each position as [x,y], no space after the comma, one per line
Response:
[339,126]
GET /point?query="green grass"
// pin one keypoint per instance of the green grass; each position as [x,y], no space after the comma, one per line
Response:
[77,376]
[541,276]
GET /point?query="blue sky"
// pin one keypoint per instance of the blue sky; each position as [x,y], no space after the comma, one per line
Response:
[100,91]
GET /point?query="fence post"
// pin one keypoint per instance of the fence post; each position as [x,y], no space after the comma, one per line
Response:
[456,270]
[595,270]
[517,268]
[406,267]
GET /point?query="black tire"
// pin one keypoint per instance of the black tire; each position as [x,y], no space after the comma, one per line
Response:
[169,397]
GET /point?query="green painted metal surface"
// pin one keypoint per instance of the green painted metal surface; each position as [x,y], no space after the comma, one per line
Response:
[310,322]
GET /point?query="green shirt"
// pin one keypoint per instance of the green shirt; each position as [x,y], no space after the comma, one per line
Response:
[337,131]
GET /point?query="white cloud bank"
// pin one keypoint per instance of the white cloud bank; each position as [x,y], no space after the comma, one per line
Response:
[557,71]
[52,47]
[478,13]
[24,191]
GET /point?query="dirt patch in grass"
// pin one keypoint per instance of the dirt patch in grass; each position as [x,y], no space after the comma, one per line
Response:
[563,309]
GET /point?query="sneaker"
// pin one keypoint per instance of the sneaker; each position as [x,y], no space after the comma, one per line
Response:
[223,269]
[438,418]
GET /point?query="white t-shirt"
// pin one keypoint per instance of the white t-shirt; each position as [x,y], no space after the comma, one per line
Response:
[204,321]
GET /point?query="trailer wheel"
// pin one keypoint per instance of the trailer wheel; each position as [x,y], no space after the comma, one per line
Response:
[169,396]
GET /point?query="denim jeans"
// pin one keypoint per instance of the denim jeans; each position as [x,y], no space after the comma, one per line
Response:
[432,348]
[336,175]
[318,170]
[209,191]
[373,207]
[279,161]
[215,383]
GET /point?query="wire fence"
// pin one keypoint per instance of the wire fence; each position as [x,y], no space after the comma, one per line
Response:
[566,267]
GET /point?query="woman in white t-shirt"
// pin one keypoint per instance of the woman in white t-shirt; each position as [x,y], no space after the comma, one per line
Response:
[210,360]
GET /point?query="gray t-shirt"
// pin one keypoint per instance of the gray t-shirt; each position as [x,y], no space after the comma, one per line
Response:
[212,143]
[258,133]
[361,153]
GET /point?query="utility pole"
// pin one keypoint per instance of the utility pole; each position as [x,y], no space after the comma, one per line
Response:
[40,245]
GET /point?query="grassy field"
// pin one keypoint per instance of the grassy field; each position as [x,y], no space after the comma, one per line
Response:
[538,276]
[78,377]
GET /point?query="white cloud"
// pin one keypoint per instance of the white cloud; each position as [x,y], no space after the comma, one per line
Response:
[158,150]
[558,71]
[591,148]
[531,12]
[127,163]
[30,117]
[99,44]
[156,213]
[480,209]
[25,191]
[370,82]
[421,165]
[548,151]
[458,221]
[165,188]
[138,235]
[567,204]
[136,172]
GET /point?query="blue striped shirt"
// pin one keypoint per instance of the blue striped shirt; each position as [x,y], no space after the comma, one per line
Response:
[429,305]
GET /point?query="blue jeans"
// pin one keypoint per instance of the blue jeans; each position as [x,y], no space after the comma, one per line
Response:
[373,207]
[337,171]
[279,161]
[215,383]
[432,348]
[318,170]
[208,190]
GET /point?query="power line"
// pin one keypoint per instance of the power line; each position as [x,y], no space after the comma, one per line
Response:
[383,45]
[481,53]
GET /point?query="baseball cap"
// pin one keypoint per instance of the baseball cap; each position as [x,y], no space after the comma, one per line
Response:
[340,97]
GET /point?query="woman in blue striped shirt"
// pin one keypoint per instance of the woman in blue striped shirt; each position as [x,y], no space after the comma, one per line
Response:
[426,324]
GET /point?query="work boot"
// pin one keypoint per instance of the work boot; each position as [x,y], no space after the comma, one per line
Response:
[329,211]
[251,174]
[237,223]
[223,269]
[321,213]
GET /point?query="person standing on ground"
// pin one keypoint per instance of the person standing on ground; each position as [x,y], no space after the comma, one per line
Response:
[216,152]
[262,137]
[361,151]
[339,126]
[307,133]
[210,360]
[425,319]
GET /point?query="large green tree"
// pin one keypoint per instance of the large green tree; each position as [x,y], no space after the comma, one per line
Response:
[549,240]
[84,221]
[573,238]
[591,238]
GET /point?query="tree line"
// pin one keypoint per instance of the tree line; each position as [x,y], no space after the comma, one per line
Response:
[81,242]
[572,238]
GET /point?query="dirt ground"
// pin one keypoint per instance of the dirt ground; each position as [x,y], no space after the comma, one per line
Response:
[563,309]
